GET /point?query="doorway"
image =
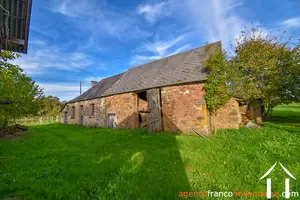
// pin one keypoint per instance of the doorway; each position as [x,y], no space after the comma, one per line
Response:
[66,117]
[112,120]
[154,105]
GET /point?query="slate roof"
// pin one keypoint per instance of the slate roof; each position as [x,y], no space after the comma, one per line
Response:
[98,89]
[185,67]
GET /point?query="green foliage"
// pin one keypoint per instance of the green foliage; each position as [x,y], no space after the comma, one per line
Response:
[49,106]
[216,93]
[18,88]
[268,68]
[60,161]
[263,67]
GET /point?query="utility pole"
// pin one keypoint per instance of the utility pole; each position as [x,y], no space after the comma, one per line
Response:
[80,86]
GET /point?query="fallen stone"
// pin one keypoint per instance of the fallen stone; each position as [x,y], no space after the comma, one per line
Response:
[251,124]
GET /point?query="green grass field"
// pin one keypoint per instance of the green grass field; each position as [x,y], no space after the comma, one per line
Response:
[58,161]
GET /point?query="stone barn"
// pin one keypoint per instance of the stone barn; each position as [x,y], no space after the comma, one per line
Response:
[163,95]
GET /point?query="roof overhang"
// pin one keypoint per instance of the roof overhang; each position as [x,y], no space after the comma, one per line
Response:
[14,25]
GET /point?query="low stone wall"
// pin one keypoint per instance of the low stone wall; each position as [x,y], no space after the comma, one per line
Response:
[228,116]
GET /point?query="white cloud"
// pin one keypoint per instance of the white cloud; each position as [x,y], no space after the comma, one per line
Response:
[64,91]
[48,57]
[96,19]
[159,49]
[138,59]
[217,19]
[292,22]
[180,49]
[152,12]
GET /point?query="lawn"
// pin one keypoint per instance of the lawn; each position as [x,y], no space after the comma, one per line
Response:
[58,161]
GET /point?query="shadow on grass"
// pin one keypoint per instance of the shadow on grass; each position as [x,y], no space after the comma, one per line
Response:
[95,163]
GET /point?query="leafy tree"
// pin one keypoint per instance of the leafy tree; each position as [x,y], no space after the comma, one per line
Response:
[50,106]
[215,85]
[16,87]
[262,67]
[267,68]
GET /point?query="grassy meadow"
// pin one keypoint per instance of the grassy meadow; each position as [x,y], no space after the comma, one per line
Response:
[58,161]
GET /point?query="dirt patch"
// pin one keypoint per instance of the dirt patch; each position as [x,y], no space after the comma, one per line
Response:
[15,137]
[14,133]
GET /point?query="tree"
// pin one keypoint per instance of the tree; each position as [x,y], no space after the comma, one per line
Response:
[16,87]
[265,67]
[50,106]
[262,67]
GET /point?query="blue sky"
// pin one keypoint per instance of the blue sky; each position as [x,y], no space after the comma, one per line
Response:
[84,40]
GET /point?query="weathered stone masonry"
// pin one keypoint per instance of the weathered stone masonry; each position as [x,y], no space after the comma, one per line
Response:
[123,105]
[184,108]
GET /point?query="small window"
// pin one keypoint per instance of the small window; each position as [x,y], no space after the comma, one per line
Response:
[92,110]
[73,112]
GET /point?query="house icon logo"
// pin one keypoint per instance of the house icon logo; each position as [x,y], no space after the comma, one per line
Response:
[287,181]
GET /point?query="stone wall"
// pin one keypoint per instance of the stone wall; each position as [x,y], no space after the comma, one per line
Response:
[125,108]
[123,105]
[142,105]
[184,108]
[228,116]
[99,118]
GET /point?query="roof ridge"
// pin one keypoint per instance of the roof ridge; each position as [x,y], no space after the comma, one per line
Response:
[173,55]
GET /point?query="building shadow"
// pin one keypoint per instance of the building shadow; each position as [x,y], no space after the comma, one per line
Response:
[150,167]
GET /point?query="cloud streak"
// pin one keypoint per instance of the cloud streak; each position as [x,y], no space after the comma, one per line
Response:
[151,12]
[65,91]
[53,58]
[292,22]
[217,19]
[159,49]
[97,19]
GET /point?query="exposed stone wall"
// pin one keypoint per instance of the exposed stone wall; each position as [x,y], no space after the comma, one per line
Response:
[99,118]
[184,109]
[125,108]
[123,105]
[142,105]
[228,116]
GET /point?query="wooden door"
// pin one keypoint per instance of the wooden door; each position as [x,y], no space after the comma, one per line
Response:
[111,120]
[154,117]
